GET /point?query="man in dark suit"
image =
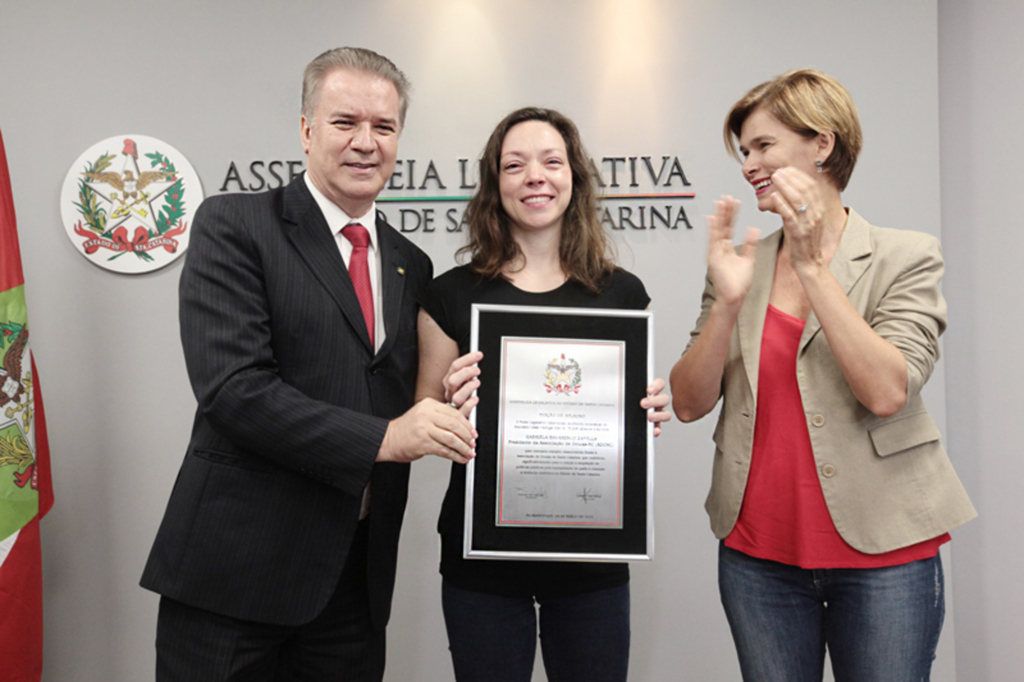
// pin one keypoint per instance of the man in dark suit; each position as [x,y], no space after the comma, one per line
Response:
[276,556]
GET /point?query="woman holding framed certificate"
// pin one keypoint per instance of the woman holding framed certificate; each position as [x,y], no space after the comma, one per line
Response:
[830,492]
[534,240]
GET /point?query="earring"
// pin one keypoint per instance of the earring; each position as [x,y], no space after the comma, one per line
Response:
[819,164]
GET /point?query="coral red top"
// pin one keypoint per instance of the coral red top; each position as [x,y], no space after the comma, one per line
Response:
[784,517]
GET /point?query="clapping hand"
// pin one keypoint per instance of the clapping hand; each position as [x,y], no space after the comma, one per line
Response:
[797,200]
[732,273]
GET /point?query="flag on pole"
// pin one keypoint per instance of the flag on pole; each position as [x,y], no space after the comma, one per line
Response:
[26,492]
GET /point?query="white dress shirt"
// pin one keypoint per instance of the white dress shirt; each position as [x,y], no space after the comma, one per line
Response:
[337,219]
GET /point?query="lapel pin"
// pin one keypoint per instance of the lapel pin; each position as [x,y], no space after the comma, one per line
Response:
[401,271]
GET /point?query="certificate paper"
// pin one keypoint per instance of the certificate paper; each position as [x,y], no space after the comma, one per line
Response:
[560,444]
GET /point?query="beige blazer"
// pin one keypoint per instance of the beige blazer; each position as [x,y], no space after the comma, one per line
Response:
[888,483]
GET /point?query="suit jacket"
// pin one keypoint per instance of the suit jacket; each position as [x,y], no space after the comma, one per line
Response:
[293,404]
[888,483]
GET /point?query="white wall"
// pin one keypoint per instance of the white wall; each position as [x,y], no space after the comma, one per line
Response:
[981,65]
[220,82]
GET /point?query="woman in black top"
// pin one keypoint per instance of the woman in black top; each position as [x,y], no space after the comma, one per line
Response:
[534,239]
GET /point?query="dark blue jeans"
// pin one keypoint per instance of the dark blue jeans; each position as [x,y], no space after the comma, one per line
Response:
[879,624]
[583,637]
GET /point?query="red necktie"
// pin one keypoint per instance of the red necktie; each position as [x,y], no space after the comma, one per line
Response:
[359,271]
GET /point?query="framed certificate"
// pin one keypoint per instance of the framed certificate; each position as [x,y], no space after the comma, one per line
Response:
[565,459]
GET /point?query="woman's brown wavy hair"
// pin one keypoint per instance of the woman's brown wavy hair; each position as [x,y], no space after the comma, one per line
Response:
[585,250]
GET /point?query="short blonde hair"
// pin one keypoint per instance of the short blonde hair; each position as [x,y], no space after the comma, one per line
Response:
[808,102]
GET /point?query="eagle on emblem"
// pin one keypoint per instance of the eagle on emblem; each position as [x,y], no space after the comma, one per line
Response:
[129,185]
[563,367]
[10,375]
[563,376]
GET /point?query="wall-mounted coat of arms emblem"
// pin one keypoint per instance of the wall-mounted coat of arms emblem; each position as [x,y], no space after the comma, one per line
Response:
[126,203]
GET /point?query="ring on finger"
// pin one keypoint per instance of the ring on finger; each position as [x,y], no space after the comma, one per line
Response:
[453,405]
[802,209]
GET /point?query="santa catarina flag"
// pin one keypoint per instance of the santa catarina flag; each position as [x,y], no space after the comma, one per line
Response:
[26,493]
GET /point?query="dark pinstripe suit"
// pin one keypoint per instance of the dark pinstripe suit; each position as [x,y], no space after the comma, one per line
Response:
[293,405]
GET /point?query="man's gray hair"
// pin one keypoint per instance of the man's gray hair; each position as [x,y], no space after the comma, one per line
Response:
[354,59]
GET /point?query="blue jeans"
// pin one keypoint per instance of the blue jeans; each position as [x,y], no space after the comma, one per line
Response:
[583,637]
[879,624]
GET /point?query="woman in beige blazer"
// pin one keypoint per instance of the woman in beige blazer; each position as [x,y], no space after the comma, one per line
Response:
[831,492]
